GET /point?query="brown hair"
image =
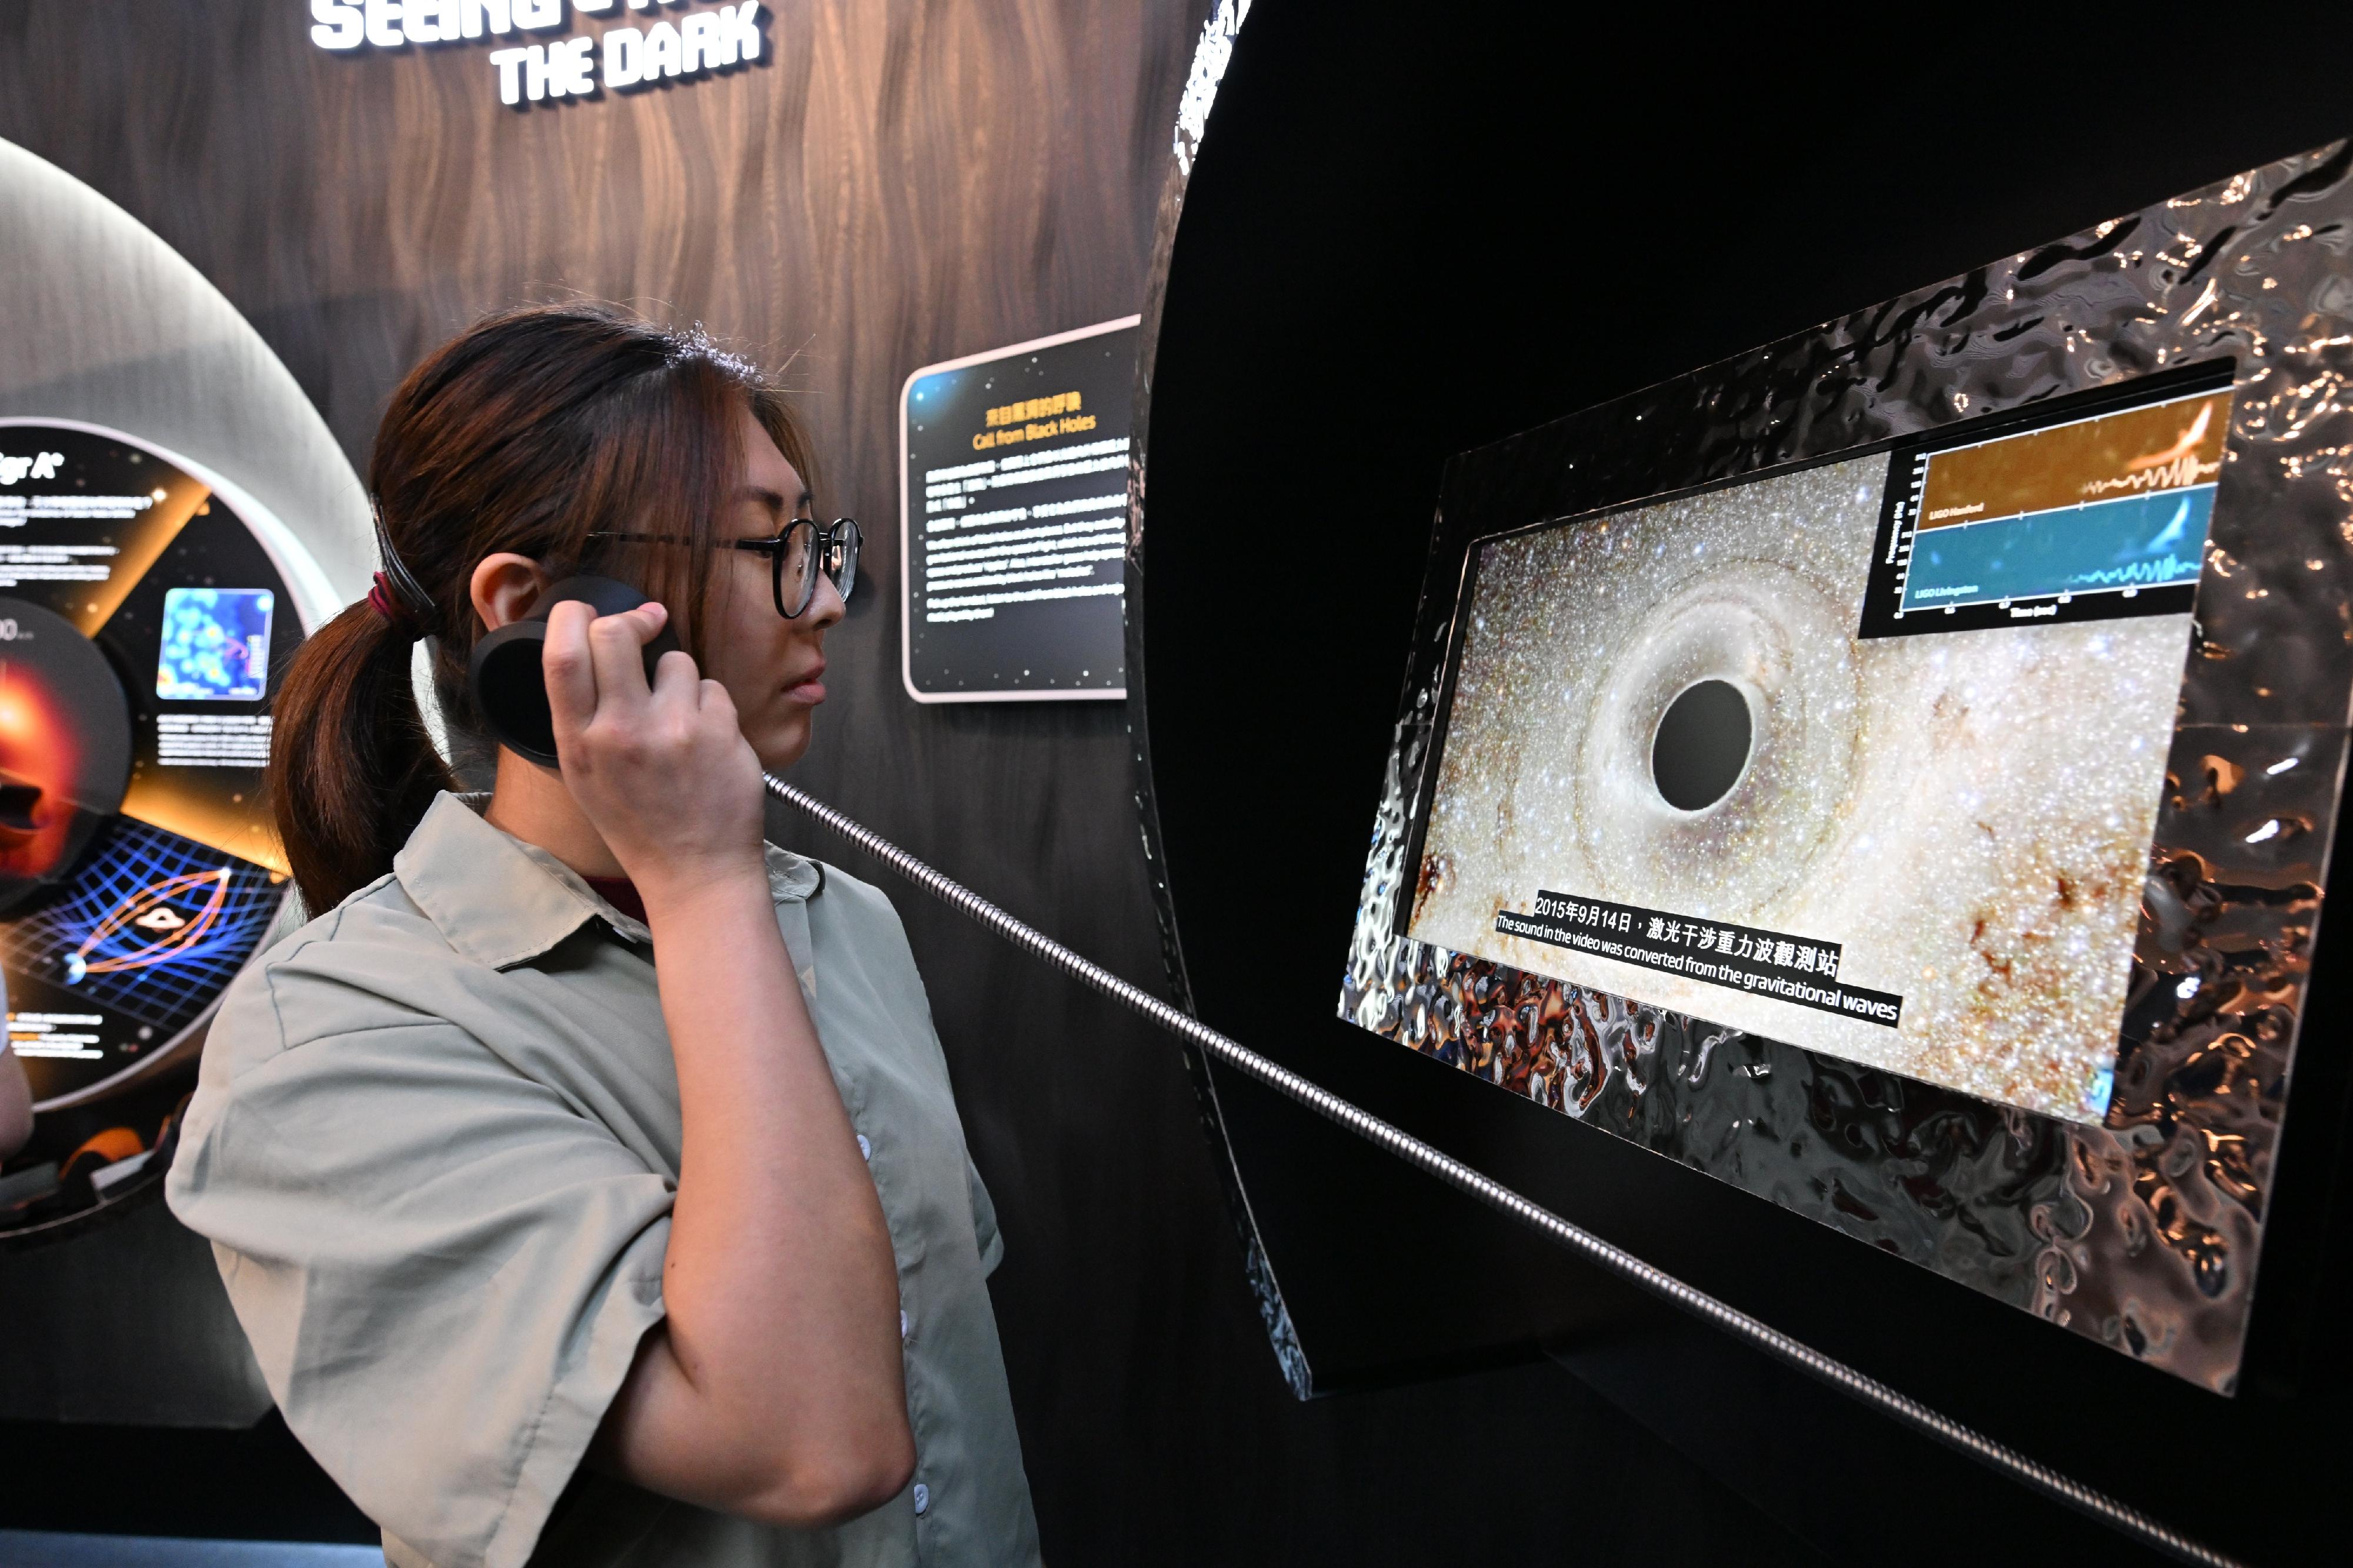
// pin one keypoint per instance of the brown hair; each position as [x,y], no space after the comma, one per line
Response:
[528,432]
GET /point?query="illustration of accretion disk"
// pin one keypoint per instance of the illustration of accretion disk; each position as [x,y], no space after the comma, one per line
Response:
[1763,645]
[65,743]
[143,625]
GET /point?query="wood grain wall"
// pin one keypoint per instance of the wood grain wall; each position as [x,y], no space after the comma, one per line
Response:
[895,182]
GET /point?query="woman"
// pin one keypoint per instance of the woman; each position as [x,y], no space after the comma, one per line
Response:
[586,1177]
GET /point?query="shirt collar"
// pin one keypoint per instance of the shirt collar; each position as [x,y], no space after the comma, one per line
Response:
[501,902]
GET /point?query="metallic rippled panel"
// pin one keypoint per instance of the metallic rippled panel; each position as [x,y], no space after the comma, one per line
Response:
[2143,1233]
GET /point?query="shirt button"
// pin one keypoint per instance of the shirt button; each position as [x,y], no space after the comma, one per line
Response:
[904,1330]
[923,1499]
[865,1149]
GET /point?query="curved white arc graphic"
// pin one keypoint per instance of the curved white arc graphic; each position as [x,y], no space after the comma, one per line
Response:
[112,330]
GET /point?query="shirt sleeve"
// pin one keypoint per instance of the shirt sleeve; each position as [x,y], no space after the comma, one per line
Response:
[984,1221]
[881,936]
[444,1268]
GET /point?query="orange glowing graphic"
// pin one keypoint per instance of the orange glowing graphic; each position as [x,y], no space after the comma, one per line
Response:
[226,823]
[2164,447]
[2191,439]
[151,911]
[139,545]
[40,766]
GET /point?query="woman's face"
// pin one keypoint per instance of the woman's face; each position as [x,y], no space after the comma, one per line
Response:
[773,668]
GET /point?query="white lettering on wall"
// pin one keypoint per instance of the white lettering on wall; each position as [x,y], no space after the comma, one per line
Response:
[693,44]
[706,40]
[476,18]
[39,465]
[546,71]
[334,26]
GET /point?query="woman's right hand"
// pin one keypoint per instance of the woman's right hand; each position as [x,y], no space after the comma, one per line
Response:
[774,1387]
[662,773]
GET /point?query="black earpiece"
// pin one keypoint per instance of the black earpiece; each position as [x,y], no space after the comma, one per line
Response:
[510,692]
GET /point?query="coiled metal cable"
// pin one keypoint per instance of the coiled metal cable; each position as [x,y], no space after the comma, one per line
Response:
[1435,1161]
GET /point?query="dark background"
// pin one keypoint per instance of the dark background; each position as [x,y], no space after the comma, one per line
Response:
[1411,237]
[897,183]
[1411,232]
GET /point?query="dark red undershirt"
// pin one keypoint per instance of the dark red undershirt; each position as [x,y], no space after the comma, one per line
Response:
[622,894]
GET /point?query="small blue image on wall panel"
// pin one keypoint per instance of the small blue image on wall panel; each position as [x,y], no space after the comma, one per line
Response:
[216,645]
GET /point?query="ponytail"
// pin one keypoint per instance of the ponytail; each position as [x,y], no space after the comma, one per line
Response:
[532,431]
[351,767]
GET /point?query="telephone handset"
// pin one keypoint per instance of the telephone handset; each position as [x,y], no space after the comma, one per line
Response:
[510,692]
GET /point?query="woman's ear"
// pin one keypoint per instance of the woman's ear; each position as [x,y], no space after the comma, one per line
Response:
[505,587]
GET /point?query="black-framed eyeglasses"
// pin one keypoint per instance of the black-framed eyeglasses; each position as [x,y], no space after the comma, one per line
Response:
[796,556]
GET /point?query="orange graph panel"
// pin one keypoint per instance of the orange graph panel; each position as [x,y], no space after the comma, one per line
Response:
[2170,446]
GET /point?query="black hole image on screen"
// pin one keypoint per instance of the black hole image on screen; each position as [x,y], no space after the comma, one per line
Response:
[1702,745]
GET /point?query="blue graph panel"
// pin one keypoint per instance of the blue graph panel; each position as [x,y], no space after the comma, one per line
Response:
[151,927]
[2139,541]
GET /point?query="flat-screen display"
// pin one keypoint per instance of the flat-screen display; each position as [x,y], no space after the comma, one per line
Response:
[1013,521]
[1866,756]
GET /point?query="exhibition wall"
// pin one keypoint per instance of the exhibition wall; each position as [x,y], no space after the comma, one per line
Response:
[886,187]
[1447,258]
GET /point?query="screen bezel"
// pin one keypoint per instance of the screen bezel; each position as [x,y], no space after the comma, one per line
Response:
[2040,335]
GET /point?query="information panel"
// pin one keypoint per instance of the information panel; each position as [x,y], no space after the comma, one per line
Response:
[1013,521]
[144,623]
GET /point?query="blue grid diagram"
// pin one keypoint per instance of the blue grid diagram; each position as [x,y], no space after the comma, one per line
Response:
[152,925]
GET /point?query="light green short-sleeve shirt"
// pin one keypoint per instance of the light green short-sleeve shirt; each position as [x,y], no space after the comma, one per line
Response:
[435,1146]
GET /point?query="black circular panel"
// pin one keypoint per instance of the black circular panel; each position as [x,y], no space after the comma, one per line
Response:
[143,626]
[1702,745]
